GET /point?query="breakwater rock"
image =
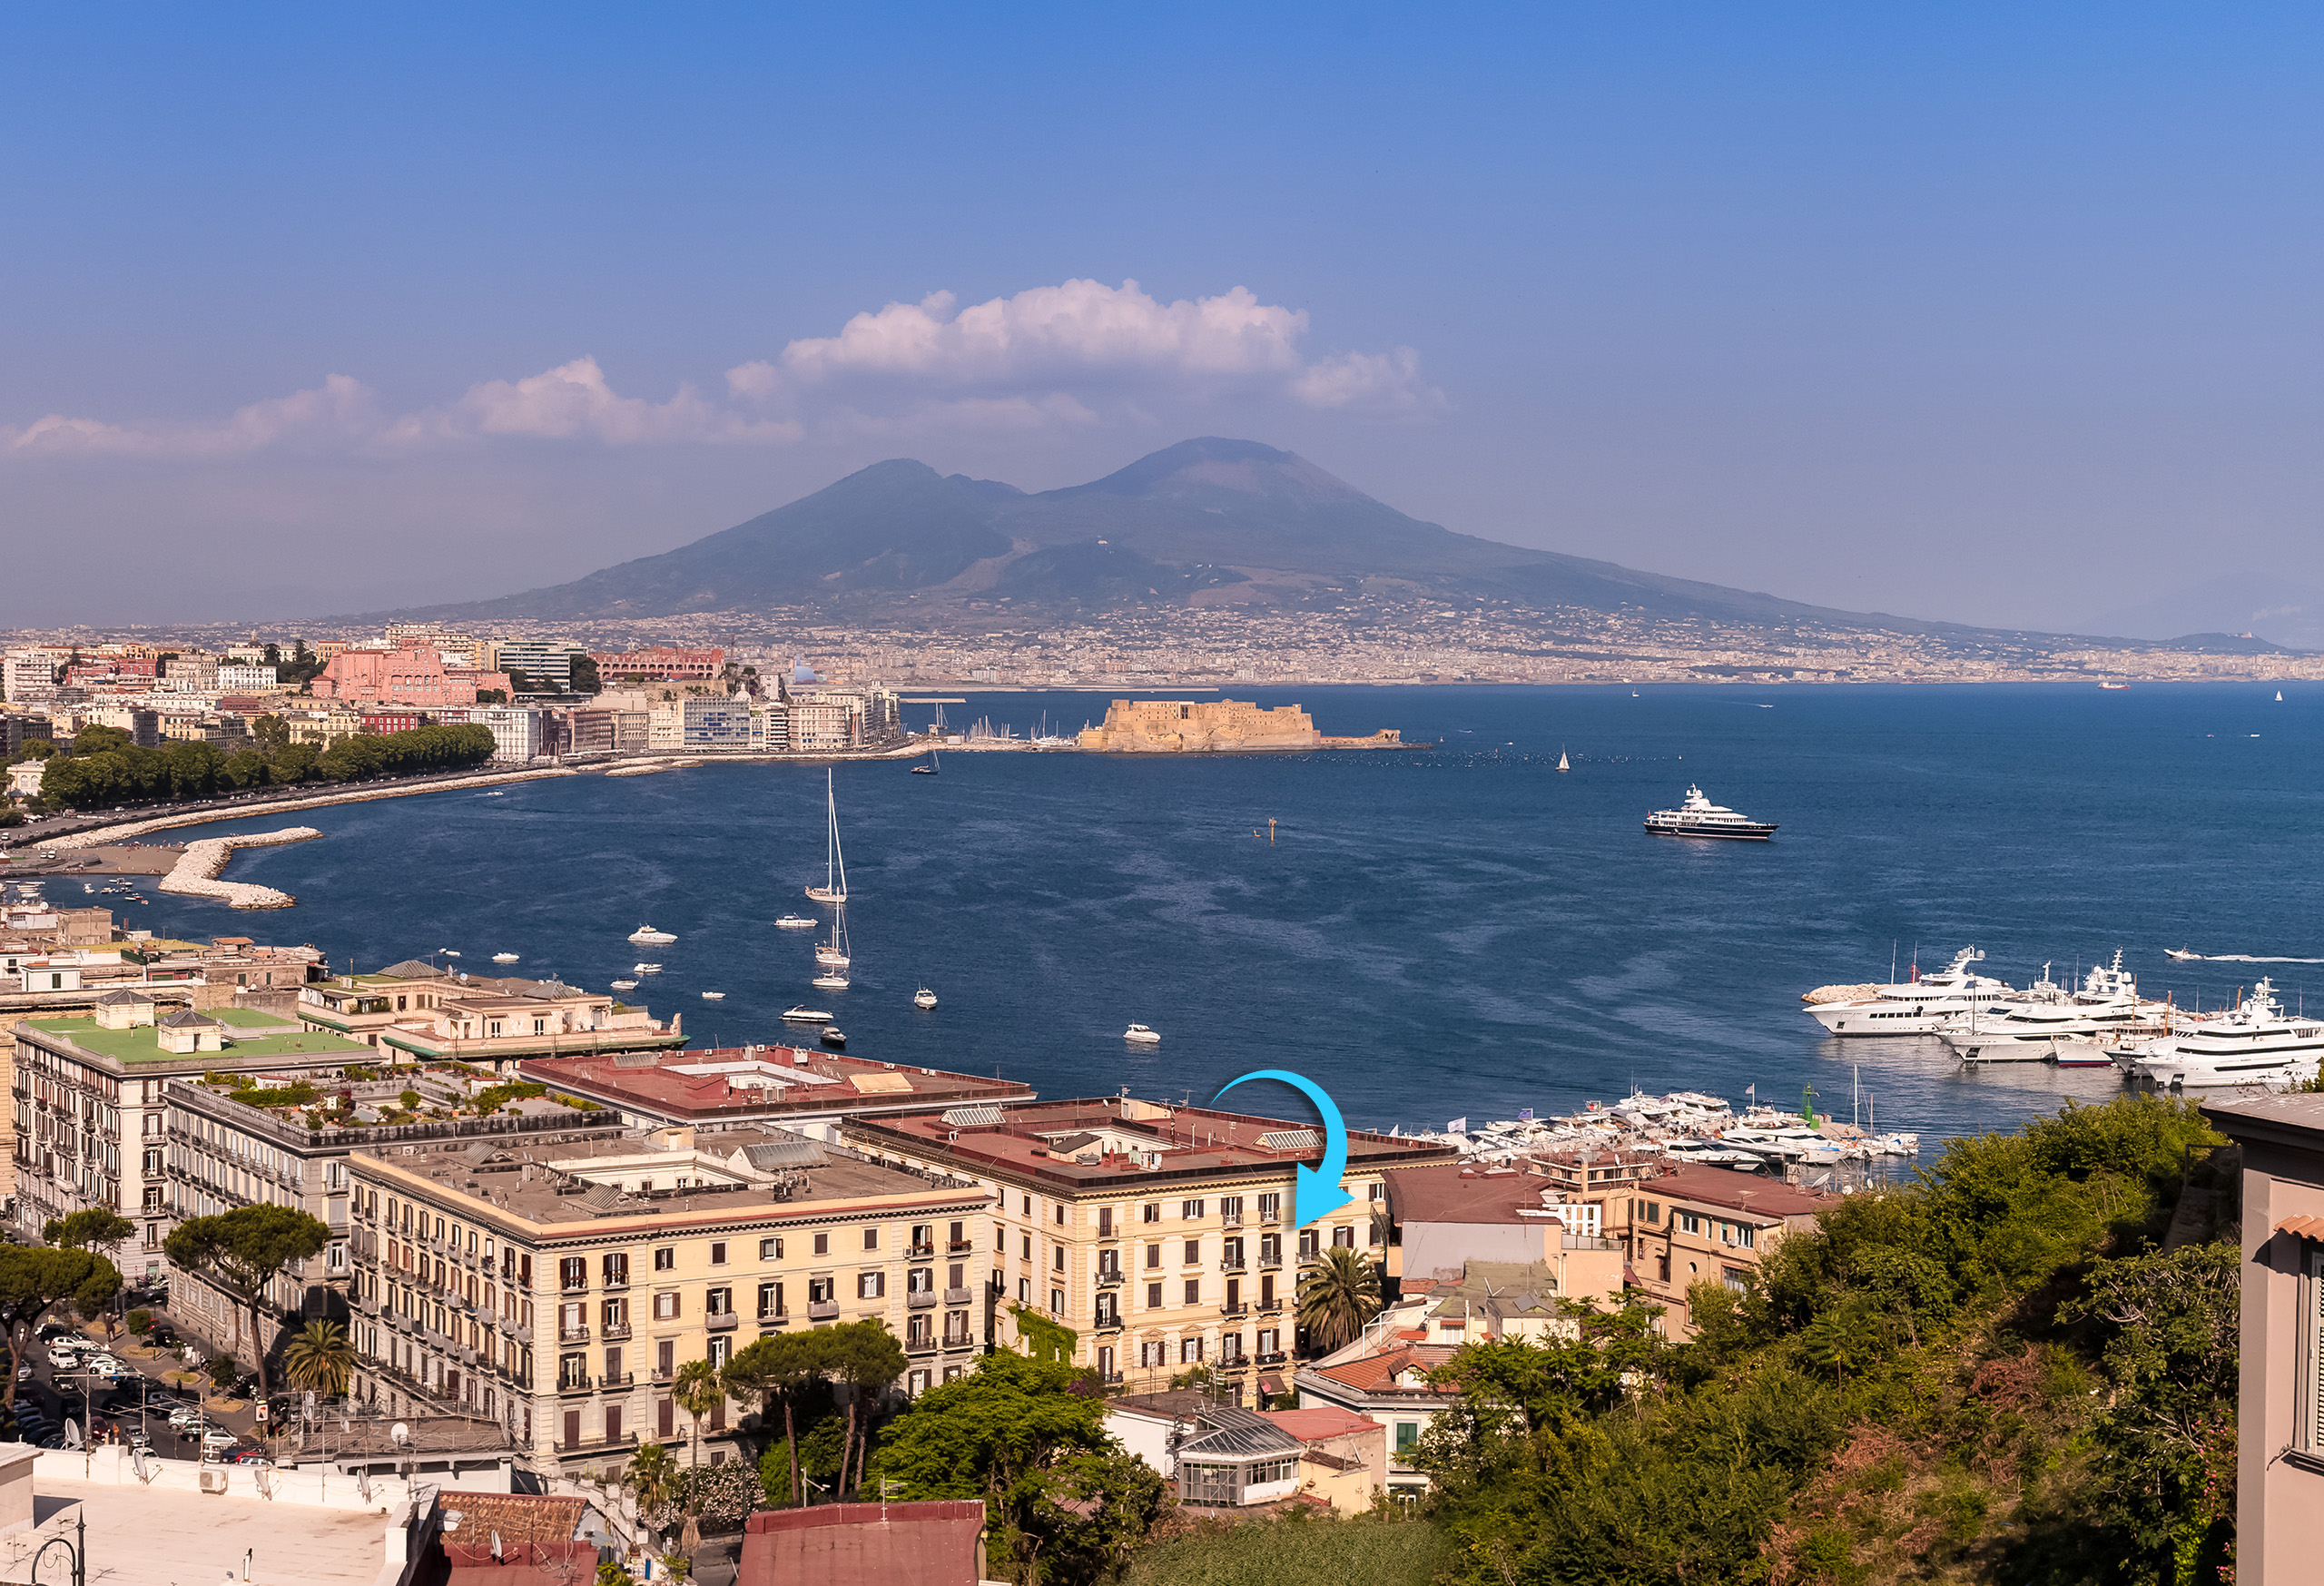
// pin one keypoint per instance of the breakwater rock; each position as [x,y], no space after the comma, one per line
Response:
[196,874]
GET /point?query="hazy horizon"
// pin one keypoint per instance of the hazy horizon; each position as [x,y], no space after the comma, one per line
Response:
[1989,317]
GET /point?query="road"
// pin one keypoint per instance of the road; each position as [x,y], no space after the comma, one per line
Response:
[61,1394]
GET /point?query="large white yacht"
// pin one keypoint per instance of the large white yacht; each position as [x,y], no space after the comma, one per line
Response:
[1699,817]
[2020,1029]
[2256,1043]
[1915,1007]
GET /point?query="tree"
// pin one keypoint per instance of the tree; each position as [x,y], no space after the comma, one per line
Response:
[697,1391]
[272,732]
[96,1225]
[780,1366]
[654,1478]
[585,673]
[34,1280]
[1337,1295]
[866,1357]
[319,1359]
[242,1251]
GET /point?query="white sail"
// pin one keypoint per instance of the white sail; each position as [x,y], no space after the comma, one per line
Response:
[834,887]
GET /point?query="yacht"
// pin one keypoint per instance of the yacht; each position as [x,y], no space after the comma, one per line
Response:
[1915,1007]
[1699,817]
[2255,1043]
[834,887]
[624,985]
[833,979]
[832,1038]
[504,958]
[713,996]
[1796,1144]
[646,936]
[2022,1029]
[794,922]
[1138,1035]
[923,997]
[646,969]
[807,1015]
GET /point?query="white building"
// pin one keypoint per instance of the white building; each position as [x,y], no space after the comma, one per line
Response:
[247,680]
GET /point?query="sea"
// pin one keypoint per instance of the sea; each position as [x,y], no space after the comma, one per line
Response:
[1457,931]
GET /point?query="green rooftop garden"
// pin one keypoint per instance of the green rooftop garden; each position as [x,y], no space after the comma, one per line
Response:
[143,1043]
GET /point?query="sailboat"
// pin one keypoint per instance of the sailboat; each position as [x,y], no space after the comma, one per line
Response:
[930,769]
[2280,696]
[832,955]
[1563,764]
[834,887]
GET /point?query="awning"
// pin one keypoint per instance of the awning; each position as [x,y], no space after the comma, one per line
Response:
[1270,1383]
[2303,1228]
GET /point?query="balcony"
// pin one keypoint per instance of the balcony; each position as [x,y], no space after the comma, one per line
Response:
[921,1252]
[920,1299]
[823,1311]
[1270,1307]
[720,1320]
[920,1343]
[1113,1378]
[1237,1308]
[959,1339]
[610,1383]
[664,1373]
[613,1331]
[602,1445]
[959,1247]
[581,1287]
[1271,1357]
[1109,1276]
[1230,1219]
[578,1384]
[773,1318]
[1270,1215]
[573,1334]
[1233,1264]
[614,1282]
[959,1296]
[1234,1362]
[1271,1262]
[1108,1322]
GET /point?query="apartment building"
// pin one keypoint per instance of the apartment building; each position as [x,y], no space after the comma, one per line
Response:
[557,1288]
[1164,1236]
[92,1113]
[1708,1224]
[802,1088]
[412,1011]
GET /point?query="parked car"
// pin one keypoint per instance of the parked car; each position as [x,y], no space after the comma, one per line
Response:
[62,1360]
[186,1415]
[218,1437]
[248,1456]
[50,1330]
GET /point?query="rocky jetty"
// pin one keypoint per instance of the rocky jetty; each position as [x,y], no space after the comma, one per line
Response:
[196,875]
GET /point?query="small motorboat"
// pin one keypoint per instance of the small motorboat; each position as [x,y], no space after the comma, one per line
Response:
[624,985]
[504,958]
[806,1015]
[646,969]
[923,997]
[713,996]
[829,980]
[1138,1035]
[832,1038]
[645,935]
[449,954]
[794,922]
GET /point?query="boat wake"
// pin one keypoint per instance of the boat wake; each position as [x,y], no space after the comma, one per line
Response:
[2183,956]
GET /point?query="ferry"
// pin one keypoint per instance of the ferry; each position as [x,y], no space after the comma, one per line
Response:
[1699,817]
[2255,1043]
[1915,1007]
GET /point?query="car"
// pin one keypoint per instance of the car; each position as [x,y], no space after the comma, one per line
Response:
[138,1440]
[219,1437]
[248,1456]
[62,1360]
[105,1365]
[25,1372]
[54,1440]
[185,1416]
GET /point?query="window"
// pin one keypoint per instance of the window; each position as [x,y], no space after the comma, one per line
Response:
[769,1249]
[721,1350]
[1028,1206]
[1308,1244]
[1060,1216]
[1688,1223]
[1153,1296]
[617,1269]
[1056,1302]
[1736,1278]
[573,1272]
[665,1259]
[923,1239]
[1747,1235]
[1028,1252]
[1105,1222]
[1653,1211]
[1343,1238]
[871,1286]
[1407,1438]
[822,1291]
[1153,1256]
[1058,1264]
[1151,1212]
[1193,1256]
[960,1238]
[870,1239]
[1190,1209]
[822,1244]
[1193,1291]
[920,1280]
[718,1253]
[1189,1350]
[665,1307]
[719,1302]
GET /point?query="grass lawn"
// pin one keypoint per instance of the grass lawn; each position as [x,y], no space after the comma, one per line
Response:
[1297,1553]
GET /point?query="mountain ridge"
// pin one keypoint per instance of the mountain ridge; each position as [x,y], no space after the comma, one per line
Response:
[1207,521]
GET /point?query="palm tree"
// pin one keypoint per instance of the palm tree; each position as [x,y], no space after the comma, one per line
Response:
[1338,1293]
[697,1391]
[655,1477]
[319,1358]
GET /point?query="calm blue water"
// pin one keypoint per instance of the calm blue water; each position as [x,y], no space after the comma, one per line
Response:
[1431,934]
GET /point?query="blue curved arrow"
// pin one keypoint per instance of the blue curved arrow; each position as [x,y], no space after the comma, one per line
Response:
[1319,1192]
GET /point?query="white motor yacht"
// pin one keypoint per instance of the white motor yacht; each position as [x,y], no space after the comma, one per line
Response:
[829,980]
[646,936]
[2021,1029]
[1915,1007]
[794,922]
[624,985]
[646,969]
[1699,817]
[923,997]
[2257,1042]
[504,958]
[806,1015]
[713,996]
[1138,1035]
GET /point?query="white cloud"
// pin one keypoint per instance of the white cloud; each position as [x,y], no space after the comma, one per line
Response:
[1065,357]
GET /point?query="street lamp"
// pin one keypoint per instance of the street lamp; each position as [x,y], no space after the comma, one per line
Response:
[76,1549]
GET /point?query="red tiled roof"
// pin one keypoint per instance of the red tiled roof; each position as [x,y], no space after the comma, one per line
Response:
[1379,1371]
[1313,1425]
[1739,1192]
[2302,1227]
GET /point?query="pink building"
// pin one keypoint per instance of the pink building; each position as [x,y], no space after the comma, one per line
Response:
[412,674]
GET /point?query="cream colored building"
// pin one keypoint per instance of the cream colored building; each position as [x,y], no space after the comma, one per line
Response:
[414,1012]
[1183,726]
[1163,1237]
[558,1288]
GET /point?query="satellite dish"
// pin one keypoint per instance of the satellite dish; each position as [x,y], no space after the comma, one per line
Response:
[400,1433]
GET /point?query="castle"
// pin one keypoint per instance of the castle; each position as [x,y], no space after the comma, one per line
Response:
[1177,726]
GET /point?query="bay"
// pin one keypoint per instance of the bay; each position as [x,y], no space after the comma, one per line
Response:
[1454,931]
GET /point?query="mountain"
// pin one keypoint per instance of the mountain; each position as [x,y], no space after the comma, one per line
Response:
[1207,521]
[2241,603]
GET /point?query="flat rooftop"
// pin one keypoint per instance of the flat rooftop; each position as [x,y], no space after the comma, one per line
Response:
[160,1537]
[249,1034]
[1097,1143]
[630,1175]
[756,1081]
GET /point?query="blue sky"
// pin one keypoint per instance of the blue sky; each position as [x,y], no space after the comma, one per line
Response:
[1998,313]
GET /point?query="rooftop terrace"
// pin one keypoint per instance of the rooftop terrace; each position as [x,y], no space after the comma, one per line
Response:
[760,1081]
[249,1035]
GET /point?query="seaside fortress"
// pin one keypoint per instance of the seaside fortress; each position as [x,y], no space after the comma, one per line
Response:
[1177,726]
[414,1012]
[1160,1238]
[558,1288]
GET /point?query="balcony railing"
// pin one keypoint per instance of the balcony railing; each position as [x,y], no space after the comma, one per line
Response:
[615,1330]
[957,1340]
[1109,1276]
[720,1320]
[959,1296]
[823,1310]
[1270,1261]
[920,1252]
[1108,1322]
[626,1440]
[574,1286]
[920,1343]
[573,1334]
[920,1299]
[1233,1264]
[1271,1357]
[959,1247]
[621,1381]
[768,1317]
[1235,1308]
[1231,1219]
[613,1282]
[573,1384]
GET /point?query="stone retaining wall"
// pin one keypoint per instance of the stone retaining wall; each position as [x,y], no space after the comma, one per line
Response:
[197,870]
